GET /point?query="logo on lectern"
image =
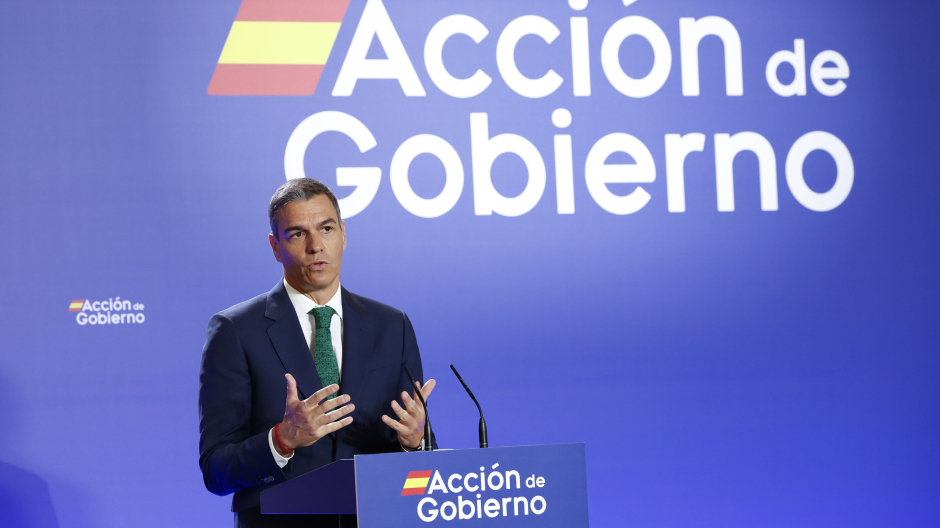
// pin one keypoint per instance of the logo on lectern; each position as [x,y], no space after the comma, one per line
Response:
[416,482]
[474,485]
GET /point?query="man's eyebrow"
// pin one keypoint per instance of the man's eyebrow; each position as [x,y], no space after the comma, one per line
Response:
[293,228]
[327,221]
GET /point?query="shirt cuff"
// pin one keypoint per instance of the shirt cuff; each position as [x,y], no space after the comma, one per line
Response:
[410,449]
[281,461]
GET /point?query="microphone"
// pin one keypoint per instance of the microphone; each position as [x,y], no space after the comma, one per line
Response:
[428,445]
[483,439]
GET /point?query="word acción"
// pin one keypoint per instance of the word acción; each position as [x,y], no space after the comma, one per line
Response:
[376,25]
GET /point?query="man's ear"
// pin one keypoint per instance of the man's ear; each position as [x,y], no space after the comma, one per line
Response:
[275,247]
[343,227]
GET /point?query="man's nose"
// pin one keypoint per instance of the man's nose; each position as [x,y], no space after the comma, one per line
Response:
[314,244]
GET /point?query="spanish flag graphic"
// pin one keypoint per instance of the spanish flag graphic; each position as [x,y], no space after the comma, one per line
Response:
[277,47]
[416,483]
[76,305]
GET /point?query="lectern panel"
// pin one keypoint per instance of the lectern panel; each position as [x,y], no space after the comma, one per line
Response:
[529,486]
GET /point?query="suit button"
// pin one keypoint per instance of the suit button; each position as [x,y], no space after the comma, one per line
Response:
[268,480]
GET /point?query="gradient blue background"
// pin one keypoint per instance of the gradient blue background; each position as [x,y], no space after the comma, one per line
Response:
[733,369]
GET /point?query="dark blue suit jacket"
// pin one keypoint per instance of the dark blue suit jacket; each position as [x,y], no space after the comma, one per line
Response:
[242,390]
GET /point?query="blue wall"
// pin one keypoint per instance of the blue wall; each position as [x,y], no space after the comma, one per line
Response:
[744,368]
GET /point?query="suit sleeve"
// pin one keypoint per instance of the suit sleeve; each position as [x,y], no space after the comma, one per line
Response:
[411,358]
[230,457]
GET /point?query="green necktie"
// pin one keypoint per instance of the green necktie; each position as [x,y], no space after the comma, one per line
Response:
[323,354]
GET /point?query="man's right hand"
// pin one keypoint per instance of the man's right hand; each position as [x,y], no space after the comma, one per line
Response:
[306,421]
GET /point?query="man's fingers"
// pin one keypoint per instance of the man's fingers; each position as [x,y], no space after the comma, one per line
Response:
[329,405]
[402,414]
[428,387]
[338,413]
[336,426]
[397,426]
[323,393]
[414,407]
[410,402]
[291,389]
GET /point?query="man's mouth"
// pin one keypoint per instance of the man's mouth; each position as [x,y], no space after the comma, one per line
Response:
[317,265]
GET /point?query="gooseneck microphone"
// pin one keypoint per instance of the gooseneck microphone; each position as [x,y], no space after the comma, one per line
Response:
[483,439]
[428,445]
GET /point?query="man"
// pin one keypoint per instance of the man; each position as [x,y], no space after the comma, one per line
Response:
[341,357]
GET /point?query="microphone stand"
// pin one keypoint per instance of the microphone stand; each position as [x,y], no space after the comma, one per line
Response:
[484,442]
[428,446]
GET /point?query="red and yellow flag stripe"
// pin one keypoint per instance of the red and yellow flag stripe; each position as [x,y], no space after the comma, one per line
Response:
[76,305]
[416,483]
[277,47]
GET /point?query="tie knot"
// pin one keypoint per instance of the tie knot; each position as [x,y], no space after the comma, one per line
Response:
[322,316]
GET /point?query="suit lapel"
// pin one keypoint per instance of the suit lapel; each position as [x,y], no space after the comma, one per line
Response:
[358,350]
[358,335]
[289,343]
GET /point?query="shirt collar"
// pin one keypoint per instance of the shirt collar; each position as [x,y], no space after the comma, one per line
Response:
[303,304]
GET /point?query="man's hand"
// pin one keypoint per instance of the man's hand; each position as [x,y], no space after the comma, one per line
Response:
[309,420]
[410,424]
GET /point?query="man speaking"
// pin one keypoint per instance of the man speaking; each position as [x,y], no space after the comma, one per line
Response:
[307,373]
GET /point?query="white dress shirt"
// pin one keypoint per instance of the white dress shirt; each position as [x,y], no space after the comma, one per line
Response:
[303,305]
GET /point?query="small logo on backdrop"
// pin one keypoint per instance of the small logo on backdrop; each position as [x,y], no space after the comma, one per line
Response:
[112,311]
[416,483]
[277,47]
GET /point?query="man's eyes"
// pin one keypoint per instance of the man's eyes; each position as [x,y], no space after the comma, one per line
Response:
[300,234]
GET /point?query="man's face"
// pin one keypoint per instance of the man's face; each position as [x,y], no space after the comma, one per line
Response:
[311,245]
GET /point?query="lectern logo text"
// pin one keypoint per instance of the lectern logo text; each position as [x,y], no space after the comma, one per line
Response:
[475,485]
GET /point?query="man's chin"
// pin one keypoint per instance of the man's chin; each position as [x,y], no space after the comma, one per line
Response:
[317,281]
[307,282]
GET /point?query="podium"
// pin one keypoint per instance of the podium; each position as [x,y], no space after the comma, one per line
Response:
[540,485]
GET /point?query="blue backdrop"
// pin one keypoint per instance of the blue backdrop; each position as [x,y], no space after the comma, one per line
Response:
[771,366]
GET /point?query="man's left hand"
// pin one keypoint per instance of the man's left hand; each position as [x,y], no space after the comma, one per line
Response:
[410,424]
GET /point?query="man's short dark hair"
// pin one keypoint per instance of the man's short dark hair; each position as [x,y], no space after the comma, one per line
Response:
[296,190]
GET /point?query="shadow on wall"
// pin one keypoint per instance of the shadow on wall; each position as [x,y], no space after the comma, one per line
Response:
[25,501]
